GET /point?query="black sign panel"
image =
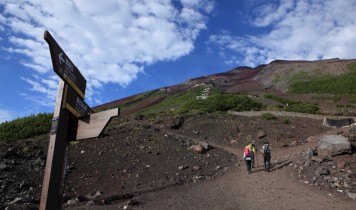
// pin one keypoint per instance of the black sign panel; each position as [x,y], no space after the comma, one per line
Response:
[64,67]
[74,103]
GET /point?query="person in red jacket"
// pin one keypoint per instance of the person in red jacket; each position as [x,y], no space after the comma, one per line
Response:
[248,158]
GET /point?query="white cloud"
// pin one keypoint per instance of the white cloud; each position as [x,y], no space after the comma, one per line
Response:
[6,115]
[48,87]
[110,41]
[296,29]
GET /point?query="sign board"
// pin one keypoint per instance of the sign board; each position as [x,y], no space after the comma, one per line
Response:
[64,67]
[74,103]
[72,116]
[93,125]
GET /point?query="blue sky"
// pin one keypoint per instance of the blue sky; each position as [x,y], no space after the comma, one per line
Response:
[128,47]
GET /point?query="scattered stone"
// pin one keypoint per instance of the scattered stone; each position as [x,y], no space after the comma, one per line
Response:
[293,143]
[313,180]
[196,132]
[3,166]
[197,177]
[196,167]
[261,134]
[11,152]
[309,153]
[300,170]
[92,197]
[317,159]
[182,167]
[341,165]
[90,203]
[198,149]
[71,201]
[24,185]
[352,195]
[207,146]
[322,170]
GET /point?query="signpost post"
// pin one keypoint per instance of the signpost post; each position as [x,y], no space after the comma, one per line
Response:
[69,110]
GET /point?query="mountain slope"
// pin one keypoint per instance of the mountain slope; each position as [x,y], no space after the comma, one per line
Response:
[274,78]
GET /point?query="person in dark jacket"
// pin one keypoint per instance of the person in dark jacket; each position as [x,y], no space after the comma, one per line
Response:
[266,150]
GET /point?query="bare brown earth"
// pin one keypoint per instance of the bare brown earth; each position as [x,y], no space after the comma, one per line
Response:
[146,164]
[143,163]
[145,169]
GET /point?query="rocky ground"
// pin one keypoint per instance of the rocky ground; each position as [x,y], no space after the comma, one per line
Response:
[188,162]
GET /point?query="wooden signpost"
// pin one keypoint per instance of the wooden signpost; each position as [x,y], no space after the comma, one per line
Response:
[73,119]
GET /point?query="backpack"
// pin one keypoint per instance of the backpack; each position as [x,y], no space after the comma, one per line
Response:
[266,149]
[247,152]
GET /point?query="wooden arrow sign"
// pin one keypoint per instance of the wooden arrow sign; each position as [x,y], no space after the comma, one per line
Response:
[64,67]
[74,103]
[93,125]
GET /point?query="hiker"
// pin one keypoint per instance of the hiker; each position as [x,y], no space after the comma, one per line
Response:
[266,150]
[252,149]
[247,158]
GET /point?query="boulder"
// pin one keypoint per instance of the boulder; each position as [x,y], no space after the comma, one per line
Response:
[352,195]
[206,145]
[322,170]
[3,166]
[331,145]
[309,153]
[261,134]
[198,149]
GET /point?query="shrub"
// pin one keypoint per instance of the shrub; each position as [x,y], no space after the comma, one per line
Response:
[294,106]
[26,127]
[221,102]
[286,122]
[302,108]
[268,116]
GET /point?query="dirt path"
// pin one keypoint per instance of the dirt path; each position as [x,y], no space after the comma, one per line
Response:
[237,190]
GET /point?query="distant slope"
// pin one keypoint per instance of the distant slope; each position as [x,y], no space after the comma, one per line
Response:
[273,77]
[277,74]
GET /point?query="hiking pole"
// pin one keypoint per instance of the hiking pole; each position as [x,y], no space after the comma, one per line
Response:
[256,151]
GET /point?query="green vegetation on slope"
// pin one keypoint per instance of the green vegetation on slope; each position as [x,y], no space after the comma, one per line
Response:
[26,127]
[294,106]
[187,101]
[220,103]
[177,100]
[334,84]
